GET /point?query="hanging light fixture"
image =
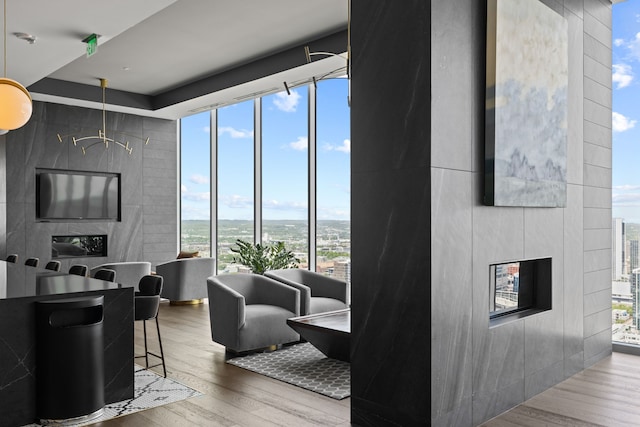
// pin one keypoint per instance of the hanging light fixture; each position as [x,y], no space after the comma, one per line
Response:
[15,101]
[101,138]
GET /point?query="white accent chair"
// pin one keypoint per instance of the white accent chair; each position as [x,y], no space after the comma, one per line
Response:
[127,273]
[186,279]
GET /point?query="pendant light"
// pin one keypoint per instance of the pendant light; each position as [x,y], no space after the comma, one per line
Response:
[15,101]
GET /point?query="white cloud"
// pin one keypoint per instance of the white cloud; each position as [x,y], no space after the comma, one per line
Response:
[618,42]
[198,179]
[634,46]
[620,123]
[183,188]
[301,144]
[626,187]
[622,75]
[630,199]
[285,102]
[236,201]
[345,147]
[197,197]
[235,133]
[278,205]
[206,129]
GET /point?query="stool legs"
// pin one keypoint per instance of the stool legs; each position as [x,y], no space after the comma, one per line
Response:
[146,349]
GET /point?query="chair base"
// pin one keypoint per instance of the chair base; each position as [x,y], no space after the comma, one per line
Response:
[188,302]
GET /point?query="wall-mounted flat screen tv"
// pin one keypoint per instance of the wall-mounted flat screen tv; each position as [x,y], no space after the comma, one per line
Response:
[65,195]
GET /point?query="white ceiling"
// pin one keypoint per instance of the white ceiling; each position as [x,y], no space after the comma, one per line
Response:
[151,48]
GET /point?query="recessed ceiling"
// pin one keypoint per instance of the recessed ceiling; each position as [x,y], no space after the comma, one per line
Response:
[167,58]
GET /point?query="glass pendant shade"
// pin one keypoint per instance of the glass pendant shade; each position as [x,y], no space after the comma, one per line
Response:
[15,104]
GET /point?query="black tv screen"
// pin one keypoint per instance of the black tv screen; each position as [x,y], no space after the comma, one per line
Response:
[76,195]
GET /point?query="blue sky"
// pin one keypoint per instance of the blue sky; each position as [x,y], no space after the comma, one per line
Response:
[626,110]
[284,160]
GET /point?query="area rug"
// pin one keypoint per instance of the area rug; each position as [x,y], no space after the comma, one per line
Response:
[302,365]
[150,390]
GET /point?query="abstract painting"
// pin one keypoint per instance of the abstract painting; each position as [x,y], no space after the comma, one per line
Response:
[526,105]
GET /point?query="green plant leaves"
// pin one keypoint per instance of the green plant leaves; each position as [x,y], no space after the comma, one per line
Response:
[260,258]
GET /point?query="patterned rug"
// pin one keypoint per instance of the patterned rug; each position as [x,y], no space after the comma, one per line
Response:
[302,365]
[150,390]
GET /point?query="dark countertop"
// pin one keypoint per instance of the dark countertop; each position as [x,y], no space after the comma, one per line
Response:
[19,281]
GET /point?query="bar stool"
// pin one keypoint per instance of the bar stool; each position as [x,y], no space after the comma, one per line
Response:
[147,302]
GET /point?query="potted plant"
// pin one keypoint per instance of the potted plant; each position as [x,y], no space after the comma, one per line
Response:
[260,258]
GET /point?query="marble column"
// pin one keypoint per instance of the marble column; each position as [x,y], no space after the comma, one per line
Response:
[391,208]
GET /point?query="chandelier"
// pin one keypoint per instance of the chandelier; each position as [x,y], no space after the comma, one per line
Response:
[101,139]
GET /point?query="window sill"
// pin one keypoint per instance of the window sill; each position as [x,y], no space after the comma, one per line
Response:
[508,318]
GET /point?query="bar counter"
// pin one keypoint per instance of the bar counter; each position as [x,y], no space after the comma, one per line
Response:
[20,288]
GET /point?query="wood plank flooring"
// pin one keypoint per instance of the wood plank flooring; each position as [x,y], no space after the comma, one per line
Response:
[607,394]
[232,396]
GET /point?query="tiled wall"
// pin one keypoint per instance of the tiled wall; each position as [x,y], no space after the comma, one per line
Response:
[478,372]
[148,228]
[418,98]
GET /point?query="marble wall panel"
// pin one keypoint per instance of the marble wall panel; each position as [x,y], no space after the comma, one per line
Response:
[573,272]
[36,145]
[595,197]
[597,155]
[597,71]
[598,344]
[452,289]
[598,25]
[597,301]
[597,218]
[597,239]
[598,134]
[597,176]
[596,113]
[575,7]
[596,260]
[595,322]
[543,379]
[597,280]
[488,405]
[575,133]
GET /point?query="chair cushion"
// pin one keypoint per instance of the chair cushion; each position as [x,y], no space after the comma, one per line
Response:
[322,305]
[187,254]
[265,325]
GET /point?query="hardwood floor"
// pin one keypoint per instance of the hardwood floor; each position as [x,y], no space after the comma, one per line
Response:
[231,396]
[607,394]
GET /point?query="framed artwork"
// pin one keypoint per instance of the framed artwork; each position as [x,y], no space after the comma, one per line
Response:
[526,105]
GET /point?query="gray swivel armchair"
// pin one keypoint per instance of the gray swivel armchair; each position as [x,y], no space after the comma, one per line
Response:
[186,279]
[318,293]
[250,311]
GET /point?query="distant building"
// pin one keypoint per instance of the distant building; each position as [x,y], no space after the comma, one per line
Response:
[617,248]
[634,255]
[618,314]
[635,295]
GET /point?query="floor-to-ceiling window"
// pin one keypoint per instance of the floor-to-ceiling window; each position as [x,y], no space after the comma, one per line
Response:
[333,154]
[285,171]
[625,224]
[195,175]
[279,127]
[235,161]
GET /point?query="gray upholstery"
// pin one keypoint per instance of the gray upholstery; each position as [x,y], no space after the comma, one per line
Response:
[249,311]
[127,273]
[318,293]
[186,279]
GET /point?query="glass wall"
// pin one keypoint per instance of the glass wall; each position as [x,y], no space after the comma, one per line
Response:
[286,164]
[285,170]
[195,173]
[333,157]
[235,179]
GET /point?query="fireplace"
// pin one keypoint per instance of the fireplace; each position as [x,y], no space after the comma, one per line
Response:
[79,246]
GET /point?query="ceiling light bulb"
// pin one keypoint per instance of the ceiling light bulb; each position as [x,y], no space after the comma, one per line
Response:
[26,37]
